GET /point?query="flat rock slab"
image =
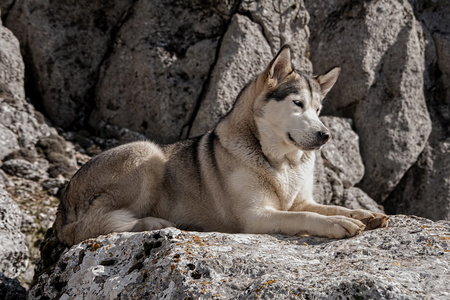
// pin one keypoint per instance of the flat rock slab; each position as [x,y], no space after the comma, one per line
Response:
[408,260]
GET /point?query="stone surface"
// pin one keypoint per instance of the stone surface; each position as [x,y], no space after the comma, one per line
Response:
[341,153]
[64,50]
[25,169]
[339,167]
[237,64]
[20,126]
[157,75]
[254,36]
[13,251]
[380,47]
[425,188]
[408,260]
[10,289]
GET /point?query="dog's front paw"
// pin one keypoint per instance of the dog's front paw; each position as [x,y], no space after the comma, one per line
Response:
[338,227]
[372,220]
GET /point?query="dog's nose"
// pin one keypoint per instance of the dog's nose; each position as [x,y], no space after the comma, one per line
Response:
[324,136]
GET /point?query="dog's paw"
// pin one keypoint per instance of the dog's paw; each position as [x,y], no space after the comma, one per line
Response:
[338,227]
[372,220]
[379,220]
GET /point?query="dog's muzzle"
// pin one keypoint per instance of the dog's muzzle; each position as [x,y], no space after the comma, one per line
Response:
[324,136]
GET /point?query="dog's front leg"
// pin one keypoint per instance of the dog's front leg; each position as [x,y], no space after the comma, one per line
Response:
[270,220]
[372,220]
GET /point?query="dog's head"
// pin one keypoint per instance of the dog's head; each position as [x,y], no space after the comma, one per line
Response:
[288,106]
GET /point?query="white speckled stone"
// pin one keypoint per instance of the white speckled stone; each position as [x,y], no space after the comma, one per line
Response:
[408,260]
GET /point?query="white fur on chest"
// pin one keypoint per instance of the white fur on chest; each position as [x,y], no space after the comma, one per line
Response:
[291,182]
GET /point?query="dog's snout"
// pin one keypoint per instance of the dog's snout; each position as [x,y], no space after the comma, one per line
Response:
[324,136]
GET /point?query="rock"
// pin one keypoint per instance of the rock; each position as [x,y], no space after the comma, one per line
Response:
[339,168]
[253,37]
[156,72]
[408,260]
[13,251]
[341,153]
[425,188]
[8,142]
[19,126]
[237,64]
[23,168]
[64,50]
[10,289]
[380,48]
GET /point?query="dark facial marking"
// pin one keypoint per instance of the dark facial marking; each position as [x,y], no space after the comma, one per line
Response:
[306,77]
[280,93]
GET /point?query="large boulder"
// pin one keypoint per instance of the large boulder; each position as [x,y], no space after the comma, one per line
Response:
[408,260]
[381,49]
[253,37]
[63,49]
[339,167]
[13,251]
[20,124]
[425,188]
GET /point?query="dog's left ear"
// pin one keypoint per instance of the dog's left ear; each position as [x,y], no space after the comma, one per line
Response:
[327,80]
[281,65]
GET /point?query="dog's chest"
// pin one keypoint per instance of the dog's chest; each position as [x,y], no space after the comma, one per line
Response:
[288,184]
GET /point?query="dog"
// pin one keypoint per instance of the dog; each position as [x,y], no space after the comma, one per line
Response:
[253,173]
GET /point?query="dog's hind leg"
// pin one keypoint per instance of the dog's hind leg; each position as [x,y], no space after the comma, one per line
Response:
[151,223]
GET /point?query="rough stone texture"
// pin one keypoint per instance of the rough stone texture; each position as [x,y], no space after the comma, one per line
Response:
[13,251]
[8,142]
[229,75]
[254,36]
[19,124]
[162,57]
[63,50]
[10,289]
[381,49]
[408,260]
[339,168]
[425,188]
[22,168]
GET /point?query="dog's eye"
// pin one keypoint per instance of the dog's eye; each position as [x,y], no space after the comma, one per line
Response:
[298,103]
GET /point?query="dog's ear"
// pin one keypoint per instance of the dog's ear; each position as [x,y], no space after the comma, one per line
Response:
[281,65]
[327,80]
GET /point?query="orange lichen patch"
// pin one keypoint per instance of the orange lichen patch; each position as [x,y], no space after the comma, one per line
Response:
[269,283]
[95,246]
[444,238]
[111,254]
[305,244]
[396,263]
[203,291]
[66,259]
[172,267]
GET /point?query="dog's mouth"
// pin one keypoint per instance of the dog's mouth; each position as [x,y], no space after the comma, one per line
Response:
[304,147]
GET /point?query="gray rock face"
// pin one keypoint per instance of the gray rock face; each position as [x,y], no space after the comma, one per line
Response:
[429,177]
[64,69]
[25,169]
[408,260]
[10,289]
[157,75]
[237,64]
[339,167]
[381,52]
[13,251]
[254,36]
[19,125]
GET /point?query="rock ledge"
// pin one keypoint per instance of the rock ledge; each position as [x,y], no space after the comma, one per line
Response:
[408,260]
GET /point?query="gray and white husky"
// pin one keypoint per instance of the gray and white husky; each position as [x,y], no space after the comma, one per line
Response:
[253,173]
